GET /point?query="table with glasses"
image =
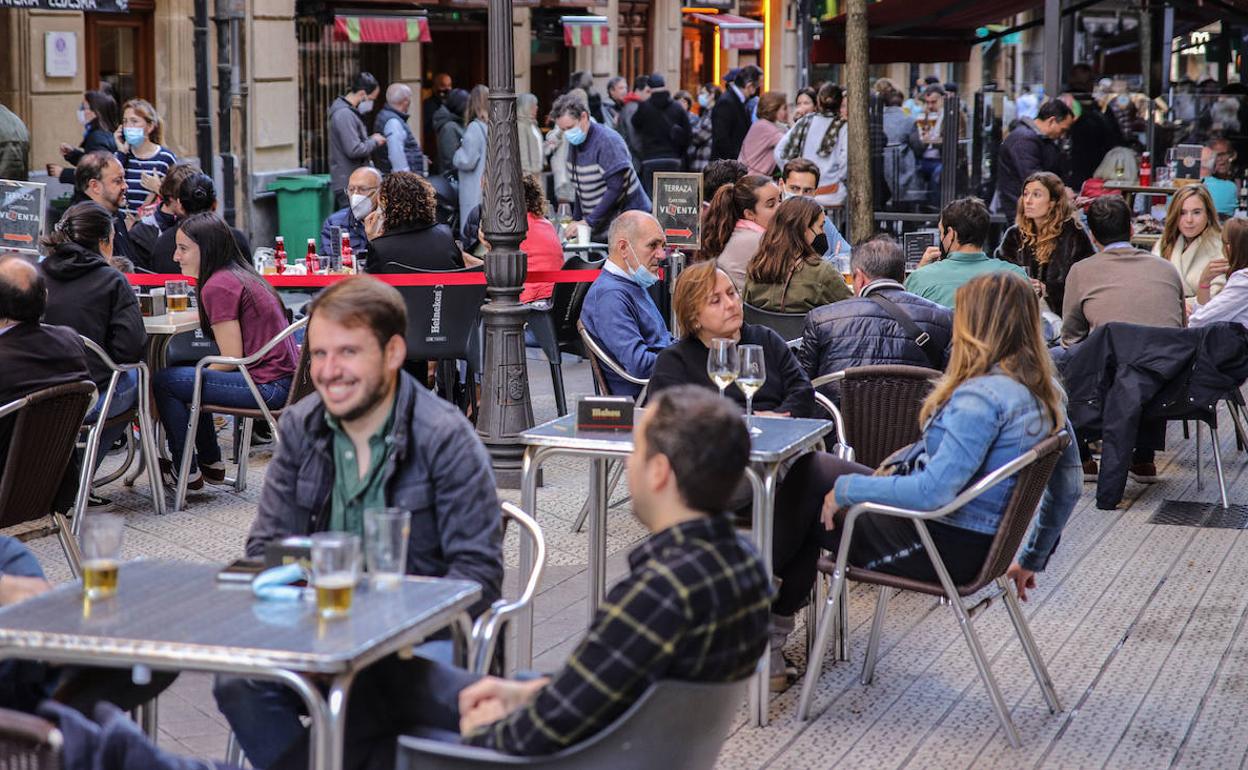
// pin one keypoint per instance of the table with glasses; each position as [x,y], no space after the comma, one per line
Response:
[177,616]
[779,440]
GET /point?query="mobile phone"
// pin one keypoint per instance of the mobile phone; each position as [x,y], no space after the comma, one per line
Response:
[240,571]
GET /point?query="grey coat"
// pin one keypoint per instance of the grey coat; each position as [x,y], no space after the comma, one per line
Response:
[349,144]
[438,470]
[470,160]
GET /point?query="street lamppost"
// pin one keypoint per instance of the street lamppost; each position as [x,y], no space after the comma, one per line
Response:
[506,410]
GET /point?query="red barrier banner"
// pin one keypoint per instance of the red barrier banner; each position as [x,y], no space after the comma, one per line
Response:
[414,279]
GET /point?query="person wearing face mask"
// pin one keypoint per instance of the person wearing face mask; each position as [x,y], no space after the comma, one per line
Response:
[619,312]
[822,137]
[98,116]
[441,88]
[1192,238]
[138,148]
[801,177]
[362,189]
[701,127]
[350,145]
[604,182]
[788,275]
[734,223]
[963,228]
[404,232]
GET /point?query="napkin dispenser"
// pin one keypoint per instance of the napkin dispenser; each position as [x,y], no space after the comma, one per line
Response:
[605,413]
[152,304]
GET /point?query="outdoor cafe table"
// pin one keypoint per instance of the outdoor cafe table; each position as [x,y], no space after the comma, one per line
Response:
[176,616]
[782,439]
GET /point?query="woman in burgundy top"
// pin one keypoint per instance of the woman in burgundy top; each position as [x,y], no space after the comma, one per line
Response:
[241,312]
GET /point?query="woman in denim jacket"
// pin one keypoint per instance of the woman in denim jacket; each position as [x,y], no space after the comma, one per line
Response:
[997,400]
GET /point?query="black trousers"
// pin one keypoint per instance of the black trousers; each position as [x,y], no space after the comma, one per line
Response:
[881,543]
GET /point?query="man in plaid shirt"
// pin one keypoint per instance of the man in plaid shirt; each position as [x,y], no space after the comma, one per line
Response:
[694,606]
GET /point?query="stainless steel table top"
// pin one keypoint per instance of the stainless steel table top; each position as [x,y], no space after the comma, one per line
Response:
[177,614]
[172,323]
[780,437]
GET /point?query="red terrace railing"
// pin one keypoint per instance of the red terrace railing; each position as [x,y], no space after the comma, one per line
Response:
[421,279]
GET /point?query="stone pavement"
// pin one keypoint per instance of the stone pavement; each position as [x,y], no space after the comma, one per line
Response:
[1142,626]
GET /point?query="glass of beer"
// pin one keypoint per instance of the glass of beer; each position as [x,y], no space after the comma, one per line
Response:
[177,296]
[385,544]
[101,554]
[335,571]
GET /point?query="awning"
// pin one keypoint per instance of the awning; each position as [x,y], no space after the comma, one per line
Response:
[382,29]
[585,31]
[735,31]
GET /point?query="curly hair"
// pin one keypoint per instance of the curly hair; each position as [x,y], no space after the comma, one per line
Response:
[1041,236]
[407,198]
[534,200]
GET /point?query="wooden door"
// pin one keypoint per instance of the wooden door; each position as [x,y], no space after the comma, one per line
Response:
[120,51]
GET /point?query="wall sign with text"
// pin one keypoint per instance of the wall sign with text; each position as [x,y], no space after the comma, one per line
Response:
[678,207]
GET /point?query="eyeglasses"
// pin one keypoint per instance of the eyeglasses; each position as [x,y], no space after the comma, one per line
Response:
[361,190]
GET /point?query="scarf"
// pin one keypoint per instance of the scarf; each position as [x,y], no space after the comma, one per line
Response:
[797,139]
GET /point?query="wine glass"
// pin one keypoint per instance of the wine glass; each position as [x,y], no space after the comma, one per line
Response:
[750,377]
[721,363]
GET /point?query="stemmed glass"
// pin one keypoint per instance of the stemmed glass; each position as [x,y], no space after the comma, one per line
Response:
[750,377]
[721,363]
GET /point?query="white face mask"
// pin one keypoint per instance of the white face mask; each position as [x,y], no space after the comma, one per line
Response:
[361,205]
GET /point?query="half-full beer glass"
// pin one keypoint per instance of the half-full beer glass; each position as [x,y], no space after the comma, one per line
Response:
[335,571]
[101,554]
[177,296]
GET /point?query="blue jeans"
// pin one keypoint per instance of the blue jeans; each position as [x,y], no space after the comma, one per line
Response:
[930,169]
[172,388]
[264,715]
[123,401]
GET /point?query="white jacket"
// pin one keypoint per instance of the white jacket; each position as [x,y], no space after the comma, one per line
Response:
[1190,259]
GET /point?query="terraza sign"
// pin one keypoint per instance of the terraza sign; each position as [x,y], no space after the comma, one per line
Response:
[678,206]
[21,215]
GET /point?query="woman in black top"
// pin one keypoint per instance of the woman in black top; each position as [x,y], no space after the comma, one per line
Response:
[403,233]
[707,306]
[99,118]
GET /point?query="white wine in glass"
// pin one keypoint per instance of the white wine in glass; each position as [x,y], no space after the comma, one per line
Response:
[751,375]
[721,363]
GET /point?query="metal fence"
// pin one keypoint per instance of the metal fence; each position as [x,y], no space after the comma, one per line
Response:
[326,67]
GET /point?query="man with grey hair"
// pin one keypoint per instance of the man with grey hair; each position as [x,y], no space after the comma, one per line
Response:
[401,152]
[617,89]
[884,324]
[604,182]
[619,312]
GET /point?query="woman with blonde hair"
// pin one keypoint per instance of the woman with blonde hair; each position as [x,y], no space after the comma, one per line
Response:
[1192,238]
[469,159]
[1046,237]
[138,148]
[788,275]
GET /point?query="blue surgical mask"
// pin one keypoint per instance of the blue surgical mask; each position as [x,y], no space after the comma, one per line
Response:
[133,136]
[575,135]
[704,100]
[640,275]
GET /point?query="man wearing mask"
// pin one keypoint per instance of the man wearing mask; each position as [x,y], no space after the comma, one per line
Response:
[349,143]
[963,229]
[99,177]
[801,177]
[442,86]
[601,169]
[619,312]
[731,117]
[362,190]
[401,151]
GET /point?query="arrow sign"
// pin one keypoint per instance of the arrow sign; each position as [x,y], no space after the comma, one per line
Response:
[679,233]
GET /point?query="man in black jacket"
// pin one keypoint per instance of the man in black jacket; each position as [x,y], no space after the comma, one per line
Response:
[662,128]
[869,329]
[1030,148]
[730,120]
[100,177]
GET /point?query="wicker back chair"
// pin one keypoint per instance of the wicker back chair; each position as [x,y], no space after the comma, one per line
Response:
[28,742]
[1031,471]
[45,431]
[880,406]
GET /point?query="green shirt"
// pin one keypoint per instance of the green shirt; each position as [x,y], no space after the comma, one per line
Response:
[353,494]
[939,281]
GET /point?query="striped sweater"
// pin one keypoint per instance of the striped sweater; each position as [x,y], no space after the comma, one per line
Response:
[604,179]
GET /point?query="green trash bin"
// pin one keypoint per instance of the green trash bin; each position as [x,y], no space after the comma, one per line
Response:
[303,203]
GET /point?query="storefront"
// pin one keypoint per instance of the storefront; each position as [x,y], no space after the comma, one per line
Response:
[708,34]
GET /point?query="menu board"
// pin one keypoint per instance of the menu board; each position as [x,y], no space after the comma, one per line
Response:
[1187,161]
[21,215]
[678,207]
[914,244]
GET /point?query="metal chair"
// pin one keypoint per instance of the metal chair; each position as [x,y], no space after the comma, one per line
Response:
[880,406]
[598,358]
[147,435]
[486,630]
[1033,469]
[542,324]
[446,327]
[45,428]
[28,742]
[672,725]
[300,386]
[1209,417]
[788,325]
[566,304]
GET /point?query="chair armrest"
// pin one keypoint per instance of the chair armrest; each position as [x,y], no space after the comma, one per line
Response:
[108,361]
[824,379]
[13,406]
[485,629]
[606,360]
[838,421]
[246,361]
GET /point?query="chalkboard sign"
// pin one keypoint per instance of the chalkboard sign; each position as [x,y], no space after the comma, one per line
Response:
[21,215]
[678,207]
[1187,161]
[914,244]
